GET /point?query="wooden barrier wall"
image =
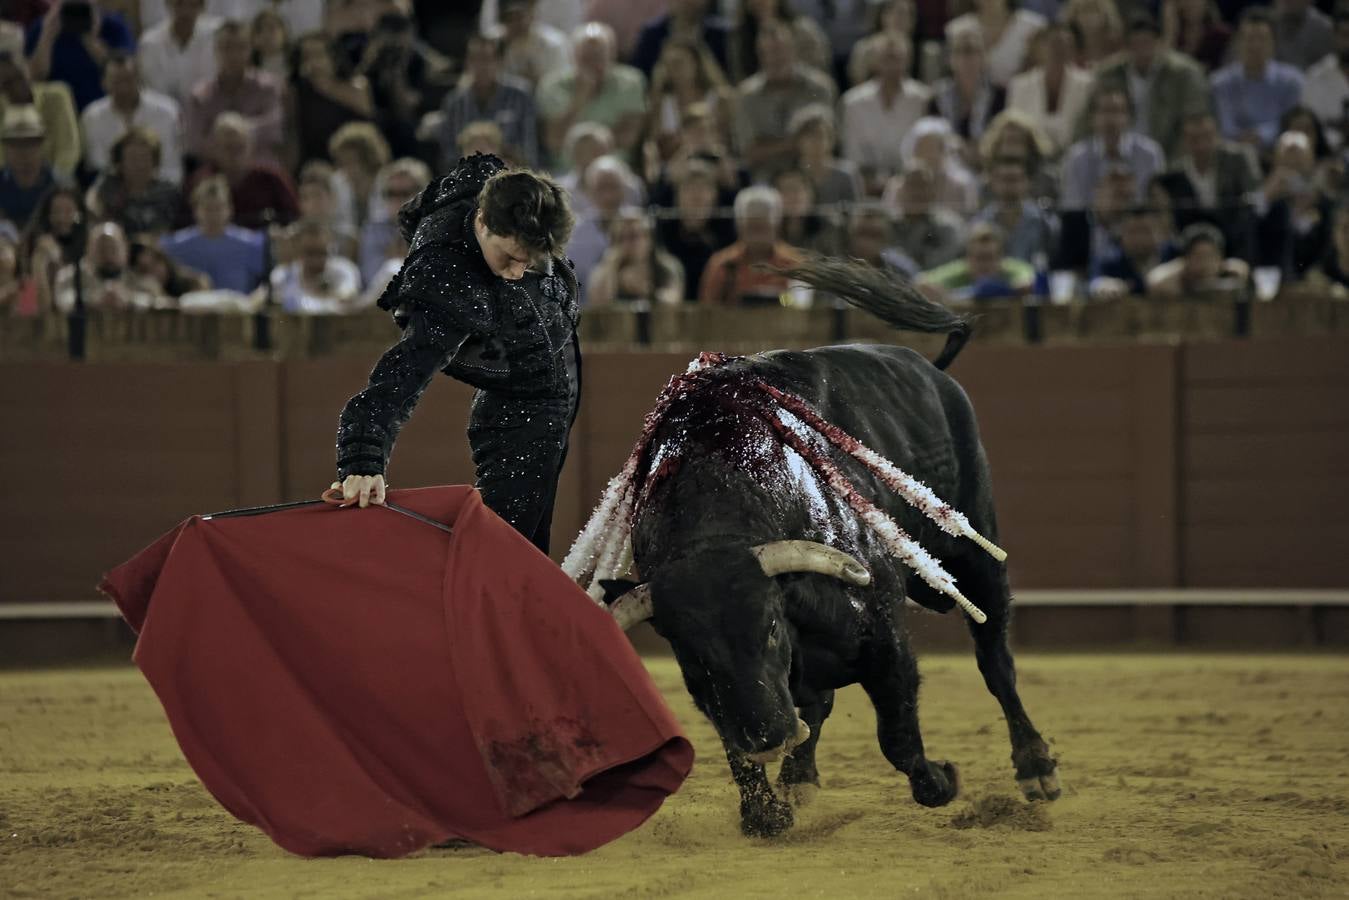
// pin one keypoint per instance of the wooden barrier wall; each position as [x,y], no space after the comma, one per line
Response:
[1214,465]
[1265,464]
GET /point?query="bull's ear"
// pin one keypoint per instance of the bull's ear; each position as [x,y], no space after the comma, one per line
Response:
[615,588]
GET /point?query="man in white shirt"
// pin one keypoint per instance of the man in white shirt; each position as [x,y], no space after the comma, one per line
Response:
[128,103]
[1326,90]
[563,15]
[317,281]
[877,113]
[179,52]
[301,16]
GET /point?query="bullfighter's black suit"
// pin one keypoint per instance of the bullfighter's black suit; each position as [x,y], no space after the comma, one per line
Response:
[513,340]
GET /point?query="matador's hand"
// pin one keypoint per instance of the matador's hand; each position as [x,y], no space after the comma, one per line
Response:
[368,488]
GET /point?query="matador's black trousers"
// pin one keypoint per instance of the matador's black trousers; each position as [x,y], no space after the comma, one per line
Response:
[519,446]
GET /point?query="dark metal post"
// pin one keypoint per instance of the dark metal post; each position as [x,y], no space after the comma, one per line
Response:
[76,319]
[1030,320]
[262,319]
[641,311]
[1241,308]
[838,320]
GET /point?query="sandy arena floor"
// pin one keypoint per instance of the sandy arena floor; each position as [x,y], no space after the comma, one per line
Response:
[1185,776]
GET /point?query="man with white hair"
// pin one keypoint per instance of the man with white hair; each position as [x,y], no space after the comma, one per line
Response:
[607,184]
[594,89]
[262,193]
[585,142]
[733,276]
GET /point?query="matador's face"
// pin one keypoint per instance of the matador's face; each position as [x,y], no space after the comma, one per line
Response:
[504,255]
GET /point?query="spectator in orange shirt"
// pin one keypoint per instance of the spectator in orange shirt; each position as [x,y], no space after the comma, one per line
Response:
[732,276]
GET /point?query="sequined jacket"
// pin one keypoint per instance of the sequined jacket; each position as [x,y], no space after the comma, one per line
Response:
[513,340]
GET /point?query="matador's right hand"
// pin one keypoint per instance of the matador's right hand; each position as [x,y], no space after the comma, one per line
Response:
[365,488]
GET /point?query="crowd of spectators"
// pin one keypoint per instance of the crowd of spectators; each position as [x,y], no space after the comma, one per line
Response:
[231,154]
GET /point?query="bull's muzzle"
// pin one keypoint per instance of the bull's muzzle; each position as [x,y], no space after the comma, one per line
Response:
[763,757]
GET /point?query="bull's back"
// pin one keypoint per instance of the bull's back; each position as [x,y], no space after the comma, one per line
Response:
[893,400]
[869,386]
[890,398]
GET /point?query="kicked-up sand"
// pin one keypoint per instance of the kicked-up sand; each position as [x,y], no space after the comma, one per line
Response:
[1197,776]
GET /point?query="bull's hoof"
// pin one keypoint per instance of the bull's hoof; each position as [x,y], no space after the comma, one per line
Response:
[1037,773]
[1041,787]
[935,783]
[799,794]
[766,820]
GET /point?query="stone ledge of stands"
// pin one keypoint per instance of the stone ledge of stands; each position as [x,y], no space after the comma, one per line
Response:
[170,336]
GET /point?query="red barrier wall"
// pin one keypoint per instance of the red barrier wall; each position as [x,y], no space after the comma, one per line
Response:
[1213,465]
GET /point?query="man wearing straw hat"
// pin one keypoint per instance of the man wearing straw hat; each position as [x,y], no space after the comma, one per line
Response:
[27,174]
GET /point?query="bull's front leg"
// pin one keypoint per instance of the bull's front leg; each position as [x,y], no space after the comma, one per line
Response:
[799,780]
[762,814]
[890,679]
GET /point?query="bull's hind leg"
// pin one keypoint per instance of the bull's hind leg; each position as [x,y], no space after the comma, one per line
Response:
[762,814]
[985,583]
[799,780]
[891,681]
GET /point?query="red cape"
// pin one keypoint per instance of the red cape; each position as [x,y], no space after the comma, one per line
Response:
[356,681]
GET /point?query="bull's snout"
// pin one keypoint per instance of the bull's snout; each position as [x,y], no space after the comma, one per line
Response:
[772,754]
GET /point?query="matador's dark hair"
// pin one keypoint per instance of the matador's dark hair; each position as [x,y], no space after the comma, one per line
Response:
[530,207]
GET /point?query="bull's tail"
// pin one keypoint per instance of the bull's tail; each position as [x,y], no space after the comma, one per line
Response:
[889,297]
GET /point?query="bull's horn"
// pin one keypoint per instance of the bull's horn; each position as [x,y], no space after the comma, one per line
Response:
[781,557]
[633,607]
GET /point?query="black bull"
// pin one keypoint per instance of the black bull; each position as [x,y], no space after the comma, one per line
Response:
[757,650]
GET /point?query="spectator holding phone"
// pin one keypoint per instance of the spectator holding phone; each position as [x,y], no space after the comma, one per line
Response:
[1294,229]
[105,279]
[403,73]
[71,44]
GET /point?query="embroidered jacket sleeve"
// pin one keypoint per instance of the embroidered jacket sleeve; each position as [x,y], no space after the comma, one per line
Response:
[371,420]
[456,338]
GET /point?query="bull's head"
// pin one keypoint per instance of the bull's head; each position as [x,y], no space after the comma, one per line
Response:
[725,617]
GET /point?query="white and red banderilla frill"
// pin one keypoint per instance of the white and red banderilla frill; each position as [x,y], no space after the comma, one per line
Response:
[603,550]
